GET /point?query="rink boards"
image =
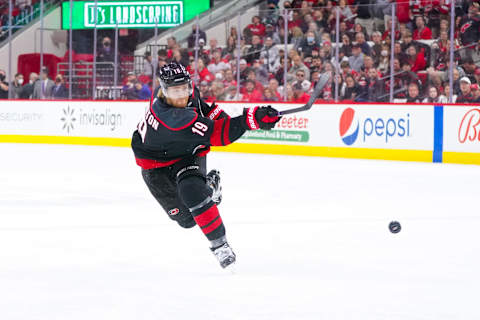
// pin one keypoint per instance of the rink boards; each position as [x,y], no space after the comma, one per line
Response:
[421,132]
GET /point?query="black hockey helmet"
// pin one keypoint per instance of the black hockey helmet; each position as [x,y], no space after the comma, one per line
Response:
[172,75]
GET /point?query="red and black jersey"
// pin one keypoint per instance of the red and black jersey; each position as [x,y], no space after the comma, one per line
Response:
[469,30]
[167,134]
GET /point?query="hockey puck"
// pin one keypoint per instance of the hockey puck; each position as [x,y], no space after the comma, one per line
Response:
[394,227]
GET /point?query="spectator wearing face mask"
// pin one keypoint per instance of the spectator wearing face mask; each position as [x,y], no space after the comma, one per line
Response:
[3,85]
[17,85]
[106,53]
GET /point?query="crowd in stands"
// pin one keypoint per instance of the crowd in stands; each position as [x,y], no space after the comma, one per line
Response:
[421,53]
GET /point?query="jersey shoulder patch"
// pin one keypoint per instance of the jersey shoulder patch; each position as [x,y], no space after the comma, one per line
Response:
[174,118]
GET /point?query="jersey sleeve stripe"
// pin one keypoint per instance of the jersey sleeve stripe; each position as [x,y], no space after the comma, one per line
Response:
[216,137]
[226,132]
[174,129]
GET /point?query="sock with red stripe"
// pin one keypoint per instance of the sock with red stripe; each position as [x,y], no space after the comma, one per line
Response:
[197,197]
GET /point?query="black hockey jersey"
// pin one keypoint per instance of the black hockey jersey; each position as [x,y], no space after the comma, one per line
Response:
[167,134]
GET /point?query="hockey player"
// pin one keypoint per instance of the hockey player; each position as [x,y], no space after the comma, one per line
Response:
[171,143]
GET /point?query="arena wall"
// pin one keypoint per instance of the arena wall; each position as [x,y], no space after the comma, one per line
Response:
[422,132]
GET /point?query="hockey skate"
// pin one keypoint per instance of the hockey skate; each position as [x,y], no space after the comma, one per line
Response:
[213,181]
[224,255]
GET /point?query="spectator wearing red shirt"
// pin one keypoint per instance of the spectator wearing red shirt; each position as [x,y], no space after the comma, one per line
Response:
[252,76]
[256,27]
[203,73]
[416,60]
[299,96]
[404,14]
[251,94]
[229,80]
[422,32]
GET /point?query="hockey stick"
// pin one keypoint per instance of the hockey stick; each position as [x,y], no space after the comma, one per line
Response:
[316,92]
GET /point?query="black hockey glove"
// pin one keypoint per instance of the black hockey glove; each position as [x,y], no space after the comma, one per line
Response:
[264,117]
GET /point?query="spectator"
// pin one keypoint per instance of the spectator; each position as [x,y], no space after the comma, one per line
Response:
[300,78]
[399,53]
[476,75]
[356,59]
[106,53]
[383,63]
[253,53]
[257,28]
[377,44]
[446,87]
[268,95]
[413,95]
[376,87]
[171,45]
[43,87]
[416,60]
[469,27]
[317,64]
[470,68]
[273,86]
[299,95]
[230,49]
[217,64]
[466,95]
[228,79]
[147,64]
[27,90]
[232,94]
[191,38]
[475,92]
[296,37]
[203,72]
[17,85]
[59,91]
[360,39]
[3,85]
[297,65]
[261,73]
[271,15]
[218,91]
[205,92]
[213,46]
[252,76]
[382,10]
[345,12]
[128,89]
[349,89]
[270,55]
[364,16]
[403,13]
[251,94]
[243,70]
[422,32]
[361,94]
[433,96]
[308,44]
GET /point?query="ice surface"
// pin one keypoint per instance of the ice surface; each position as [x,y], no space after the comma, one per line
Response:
[81,238]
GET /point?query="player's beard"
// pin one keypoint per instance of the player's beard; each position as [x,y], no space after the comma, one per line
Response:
[178,103]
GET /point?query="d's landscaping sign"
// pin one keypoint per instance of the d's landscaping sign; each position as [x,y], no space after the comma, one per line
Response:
[131,14]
